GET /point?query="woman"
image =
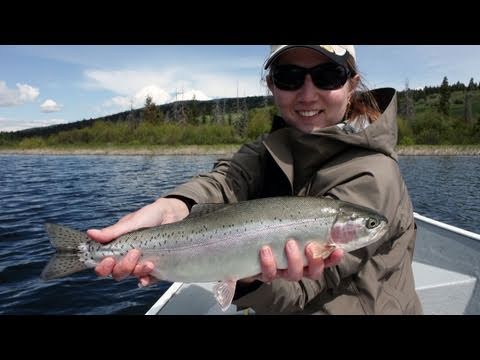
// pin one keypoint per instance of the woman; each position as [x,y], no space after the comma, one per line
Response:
[330,140]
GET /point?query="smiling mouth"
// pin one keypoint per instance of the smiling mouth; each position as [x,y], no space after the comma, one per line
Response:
[309,113]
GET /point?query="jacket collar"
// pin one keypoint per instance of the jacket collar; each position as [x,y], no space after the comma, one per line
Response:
[292,150]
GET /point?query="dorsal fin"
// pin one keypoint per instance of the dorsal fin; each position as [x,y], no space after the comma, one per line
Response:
[202,209]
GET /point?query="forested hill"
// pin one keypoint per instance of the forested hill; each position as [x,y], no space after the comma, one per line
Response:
[443,115]
[174,111]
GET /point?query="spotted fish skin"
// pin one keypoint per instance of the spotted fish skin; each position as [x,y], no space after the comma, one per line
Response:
[219,242]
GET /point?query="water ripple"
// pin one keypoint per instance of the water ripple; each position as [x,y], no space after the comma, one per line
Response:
[95,191]
[81,192]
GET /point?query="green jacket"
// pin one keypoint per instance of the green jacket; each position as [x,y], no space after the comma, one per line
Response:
[359,166]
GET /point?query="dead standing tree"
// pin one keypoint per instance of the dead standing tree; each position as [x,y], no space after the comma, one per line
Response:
[409,105]
[217,114]
[467,104]
[132,120]
[179,113]
[241,124]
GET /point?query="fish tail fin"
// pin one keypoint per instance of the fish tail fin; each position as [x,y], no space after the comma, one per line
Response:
[62,264]
[68,259]
[64,238]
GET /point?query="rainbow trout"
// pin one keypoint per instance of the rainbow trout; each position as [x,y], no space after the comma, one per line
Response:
[221,242]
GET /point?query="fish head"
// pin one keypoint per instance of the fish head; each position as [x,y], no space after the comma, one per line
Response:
[356,227]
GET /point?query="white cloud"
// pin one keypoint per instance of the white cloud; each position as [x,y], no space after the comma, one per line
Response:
[15,125]
[190,94]
[127,82]
[158,95]
[226,85]
[137,100]
[169,84]
[24,93]
[49,106]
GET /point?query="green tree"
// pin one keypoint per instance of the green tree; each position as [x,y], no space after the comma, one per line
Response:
[241,124]
[471,85]
[260,122]
[405,133]
[444,102]
[150,113]
[193,112]
[467,107]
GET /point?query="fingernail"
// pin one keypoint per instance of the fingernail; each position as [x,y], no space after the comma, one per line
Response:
[147,268]
[266,251]
[291,245]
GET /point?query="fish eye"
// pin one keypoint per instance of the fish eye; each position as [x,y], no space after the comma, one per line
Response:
[371,223]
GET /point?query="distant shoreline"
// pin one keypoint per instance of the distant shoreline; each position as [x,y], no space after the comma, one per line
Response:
[414,150]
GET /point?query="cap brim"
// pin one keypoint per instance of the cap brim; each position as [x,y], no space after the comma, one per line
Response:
[339,59]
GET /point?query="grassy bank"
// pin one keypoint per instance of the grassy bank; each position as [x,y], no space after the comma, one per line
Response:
[223,149]
[126,150]
[429,150]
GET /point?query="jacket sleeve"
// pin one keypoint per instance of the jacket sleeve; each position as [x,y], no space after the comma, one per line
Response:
[231,180]
[281,296]
[381,189]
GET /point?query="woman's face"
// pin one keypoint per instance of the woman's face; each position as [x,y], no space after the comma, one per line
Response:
[310,108]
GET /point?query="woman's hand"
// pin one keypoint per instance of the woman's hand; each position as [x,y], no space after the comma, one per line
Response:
[162,211]
[295,270]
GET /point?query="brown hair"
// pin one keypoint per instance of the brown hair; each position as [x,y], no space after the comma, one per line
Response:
[362,101]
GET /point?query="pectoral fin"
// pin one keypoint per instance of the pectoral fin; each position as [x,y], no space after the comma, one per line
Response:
[323,251]
[224,292]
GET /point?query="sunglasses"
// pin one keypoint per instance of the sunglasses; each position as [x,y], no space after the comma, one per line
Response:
[327,76]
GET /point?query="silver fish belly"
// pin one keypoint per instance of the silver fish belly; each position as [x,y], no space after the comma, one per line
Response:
[221,242]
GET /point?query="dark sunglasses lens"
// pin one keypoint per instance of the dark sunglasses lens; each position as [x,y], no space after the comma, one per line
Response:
[288,77]
[325,76]
[329,76]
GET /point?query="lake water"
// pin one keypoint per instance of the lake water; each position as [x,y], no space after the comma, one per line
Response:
[95,191]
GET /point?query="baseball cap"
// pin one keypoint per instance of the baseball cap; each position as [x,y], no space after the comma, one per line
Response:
[337,53]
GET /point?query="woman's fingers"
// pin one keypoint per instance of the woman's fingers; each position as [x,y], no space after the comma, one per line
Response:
[146,281]
[105,267]
[126,266]
[295,260]
[316,263]
[112,232]
[268,264]
[295,271]
[335,258]
[143,269]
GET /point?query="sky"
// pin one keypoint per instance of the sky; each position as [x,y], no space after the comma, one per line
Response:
[42,85]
